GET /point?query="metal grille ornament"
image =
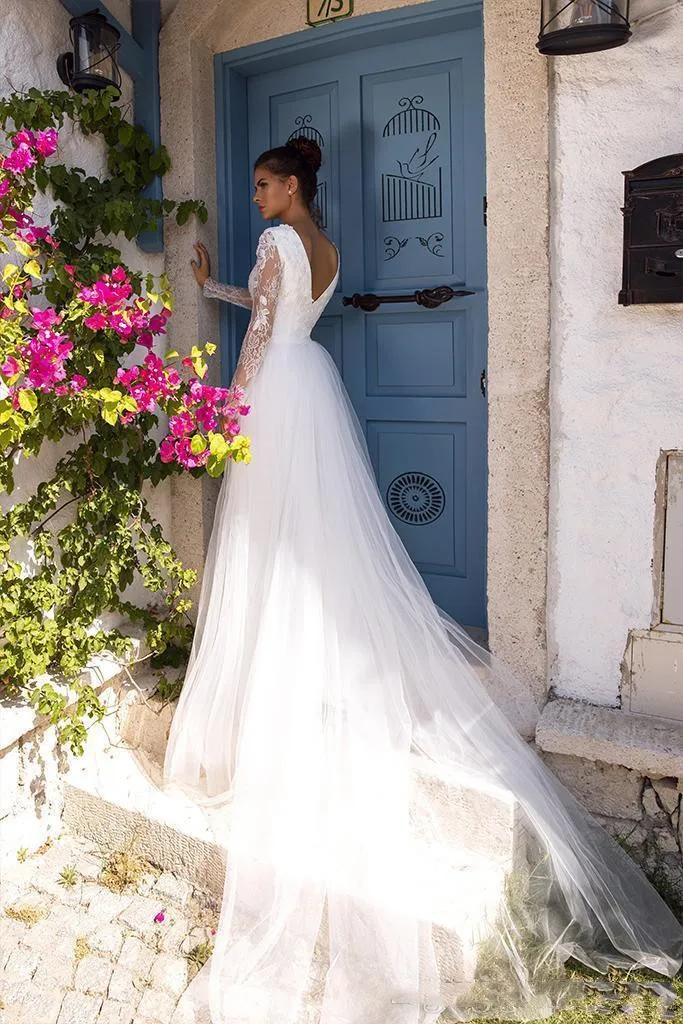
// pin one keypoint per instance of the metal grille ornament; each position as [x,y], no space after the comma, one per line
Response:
[416,498]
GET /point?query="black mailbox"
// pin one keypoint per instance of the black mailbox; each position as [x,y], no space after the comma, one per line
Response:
[653,232]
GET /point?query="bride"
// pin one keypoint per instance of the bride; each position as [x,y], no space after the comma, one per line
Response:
[396,852]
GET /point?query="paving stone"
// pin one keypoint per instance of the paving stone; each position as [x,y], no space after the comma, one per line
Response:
[13,992]
[78,1008]
[172,934]
[55,970]
[170,974]
[156,1005]
[11,934]
[194,937]
[666,840]
[136,956]
[106,905]
[89,867]
[175,890]
[93,974]
[122,987]
[41,1005]
[113,1012]
[140,914]
[49,882]
[108,939]
[667,791]
[21,965]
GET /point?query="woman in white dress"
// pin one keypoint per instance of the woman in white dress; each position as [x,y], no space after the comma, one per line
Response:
[397,853]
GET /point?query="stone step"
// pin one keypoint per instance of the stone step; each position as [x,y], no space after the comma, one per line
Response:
[112,795]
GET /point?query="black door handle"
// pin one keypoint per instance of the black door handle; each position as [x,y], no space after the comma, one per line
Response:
[428,297]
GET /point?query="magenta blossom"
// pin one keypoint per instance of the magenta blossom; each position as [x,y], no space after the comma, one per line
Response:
[44,317]
[96,322]
[46,142]
[20,159]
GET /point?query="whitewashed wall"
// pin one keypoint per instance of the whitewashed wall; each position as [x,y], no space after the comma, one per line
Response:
[616,372]
[29,47]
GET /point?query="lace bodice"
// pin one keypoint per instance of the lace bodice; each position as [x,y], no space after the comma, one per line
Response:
[283,310]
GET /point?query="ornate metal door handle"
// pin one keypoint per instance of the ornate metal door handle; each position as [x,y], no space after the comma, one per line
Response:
[429,297]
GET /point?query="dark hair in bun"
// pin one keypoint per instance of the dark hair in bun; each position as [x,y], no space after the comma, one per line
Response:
[301,157]
[309,150]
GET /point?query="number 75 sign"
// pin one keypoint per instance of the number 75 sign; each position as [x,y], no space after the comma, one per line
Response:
[321,11]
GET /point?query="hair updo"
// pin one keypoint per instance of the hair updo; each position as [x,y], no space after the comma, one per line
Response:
[301,157]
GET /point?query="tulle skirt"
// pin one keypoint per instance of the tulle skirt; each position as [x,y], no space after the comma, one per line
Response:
[397,851]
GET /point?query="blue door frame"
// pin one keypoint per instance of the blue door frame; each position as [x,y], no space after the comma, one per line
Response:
[264,62]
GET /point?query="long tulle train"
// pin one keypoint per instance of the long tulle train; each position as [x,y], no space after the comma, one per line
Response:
[396,849]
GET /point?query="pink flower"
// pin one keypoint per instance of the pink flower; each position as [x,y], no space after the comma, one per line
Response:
[78,382]
[70,269]
[20,159]
[46,142]
[120,325]
[10,367]
[160,917]
[96,322]
[181,425]
[166,450]
[24,137]
[44,317]
[61,389]
[4,187]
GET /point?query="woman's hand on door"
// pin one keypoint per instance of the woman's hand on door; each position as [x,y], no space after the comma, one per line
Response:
[201,267]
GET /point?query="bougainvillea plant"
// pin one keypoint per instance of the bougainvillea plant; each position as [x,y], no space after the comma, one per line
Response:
[80,366]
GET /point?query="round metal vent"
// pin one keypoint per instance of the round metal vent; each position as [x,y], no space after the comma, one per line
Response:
[416,498]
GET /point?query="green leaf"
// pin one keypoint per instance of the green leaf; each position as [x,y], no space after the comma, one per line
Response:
[27,400]
[109,415]
[33,268]
[197,444]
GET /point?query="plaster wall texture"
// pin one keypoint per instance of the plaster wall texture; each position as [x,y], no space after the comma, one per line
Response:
[616,372]
[28,52]
[517,171]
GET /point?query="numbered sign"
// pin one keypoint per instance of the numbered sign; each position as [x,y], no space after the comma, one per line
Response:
[322,11]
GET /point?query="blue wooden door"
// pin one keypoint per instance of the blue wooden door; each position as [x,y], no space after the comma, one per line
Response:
[401,191]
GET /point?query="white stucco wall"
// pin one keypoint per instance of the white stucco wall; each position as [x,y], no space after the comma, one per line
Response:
[616,372]
[29,47]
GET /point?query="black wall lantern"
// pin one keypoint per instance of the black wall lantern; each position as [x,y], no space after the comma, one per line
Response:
[582,26]
[91,64]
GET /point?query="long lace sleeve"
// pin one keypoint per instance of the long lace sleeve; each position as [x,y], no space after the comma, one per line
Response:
[266,288]
[228,292]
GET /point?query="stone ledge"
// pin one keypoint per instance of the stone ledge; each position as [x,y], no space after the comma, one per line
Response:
[649,745]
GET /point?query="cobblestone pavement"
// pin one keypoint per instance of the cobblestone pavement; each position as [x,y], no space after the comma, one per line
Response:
[87,954]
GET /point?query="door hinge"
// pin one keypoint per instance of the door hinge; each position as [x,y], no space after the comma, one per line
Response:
[484,209]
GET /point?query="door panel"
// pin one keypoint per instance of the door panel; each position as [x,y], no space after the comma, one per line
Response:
[401,191]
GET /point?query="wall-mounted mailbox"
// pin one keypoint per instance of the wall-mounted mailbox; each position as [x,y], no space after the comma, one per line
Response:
[653,232]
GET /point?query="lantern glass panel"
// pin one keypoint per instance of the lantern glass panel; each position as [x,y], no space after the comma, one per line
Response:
[582,26]
[95,43]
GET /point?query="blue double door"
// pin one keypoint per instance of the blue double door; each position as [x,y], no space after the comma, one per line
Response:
[401,192]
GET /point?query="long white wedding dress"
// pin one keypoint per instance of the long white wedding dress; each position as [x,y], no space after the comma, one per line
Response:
[396,850]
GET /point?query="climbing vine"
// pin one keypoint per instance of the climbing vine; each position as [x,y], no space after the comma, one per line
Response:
[78,368]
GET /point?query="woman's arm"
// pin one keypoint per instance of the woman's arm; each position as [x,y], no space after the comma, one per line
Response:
[266,290]
[227,292]
[201,268]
